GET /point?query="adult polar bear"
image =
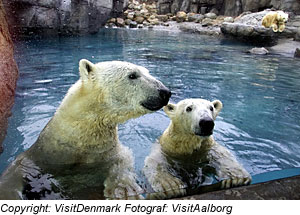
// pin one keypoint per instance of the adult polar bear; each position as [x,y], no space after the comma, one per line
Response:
[78,154]
[187,155]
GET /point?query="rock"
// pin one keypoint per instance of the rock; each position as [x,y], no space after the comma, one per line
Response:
[228,19]
[61,17]
[297,36]
[211,15]
[146,23]
[215,11]
[194,8]
[130,15]
[128,21]
[112,20]
[297,53]
[120,22]
[198,29]
[195,17]
[203,10]
[133,24]
[255,6]
[140,26]
[181,16]
[285,47]
[8,75]
[207,22]
[138,14]
[258,51]
[139,19]
[145,13]
[131,6]
[162,18]
[248,27]
[154,21]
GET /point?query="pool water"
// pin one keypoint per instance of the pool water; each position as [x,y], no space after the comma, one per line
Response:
[260,120]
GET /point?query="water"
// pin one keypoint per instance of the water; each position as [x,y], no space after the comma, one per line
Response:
[260,121]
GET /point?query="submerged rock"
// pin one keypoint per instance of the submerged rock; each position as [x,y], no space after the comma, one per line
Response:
[258,51]
[297,53]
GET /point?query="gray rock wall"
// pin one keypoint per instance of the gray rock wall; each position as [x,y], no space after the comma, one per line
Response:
[226,7]
[62,16]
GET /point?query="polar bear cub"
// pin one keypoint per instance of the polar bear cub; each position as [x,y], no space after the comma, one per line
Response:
[276,20]
[187,156]
[78,154]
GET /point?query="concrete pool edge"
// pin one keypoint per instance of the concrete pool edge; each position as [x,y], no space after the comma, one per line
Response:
[279,189]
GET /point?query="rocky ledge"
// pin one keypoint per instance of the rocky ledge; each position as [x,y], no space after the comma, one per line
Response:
[248,27]
[8,74]
[140,15]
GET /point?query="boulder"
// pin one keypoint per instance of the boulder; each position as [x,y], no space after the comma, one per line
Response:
[120,22]
[128,21]
[248,27]
[228,19]
[195,17]
[207,22]
[139,19]
[133,24]
[162,18]
[8,74]
[211,15]
[181,16]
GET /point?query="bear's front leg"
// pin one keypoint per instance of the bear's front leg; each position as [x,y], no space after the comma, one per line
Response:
[281,27]
[228,169]
[122,187]
[163,183]
[274,27]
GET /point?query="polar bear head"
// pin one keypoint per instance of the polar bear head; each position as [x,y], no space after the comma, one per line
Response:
[123,90]
[282,16]
[194,116]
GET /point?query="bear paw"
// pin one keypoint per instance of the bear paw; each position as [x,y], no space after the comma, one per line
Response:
[281,27]
[274,28]
[167,186]
[123,191]
[235,182]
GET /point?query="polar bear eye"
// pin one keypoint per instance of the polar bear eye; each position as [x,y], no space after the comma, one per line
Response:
[132,76]
[211,108]
[189,109]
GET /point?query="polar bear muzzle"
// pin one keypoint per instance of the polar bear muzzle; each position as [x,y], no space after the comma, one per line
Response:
[154,103]
[206,127]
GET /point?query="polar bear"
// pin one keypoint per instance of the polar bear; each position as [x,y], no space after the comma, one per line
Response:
[276,20]
[187,156]
[78,154]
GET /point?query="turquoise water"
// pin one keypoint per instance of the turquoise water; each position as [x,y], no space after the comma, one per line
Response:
[260,121]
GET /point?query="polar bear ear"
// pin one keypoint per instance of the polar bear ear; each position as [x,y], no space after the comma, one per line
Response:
[86,68]
[170,109]
[217,105]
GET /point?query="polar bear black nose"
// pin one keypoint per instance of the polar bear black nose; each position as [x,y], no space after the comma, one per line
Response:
[165,93]
[206,126]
